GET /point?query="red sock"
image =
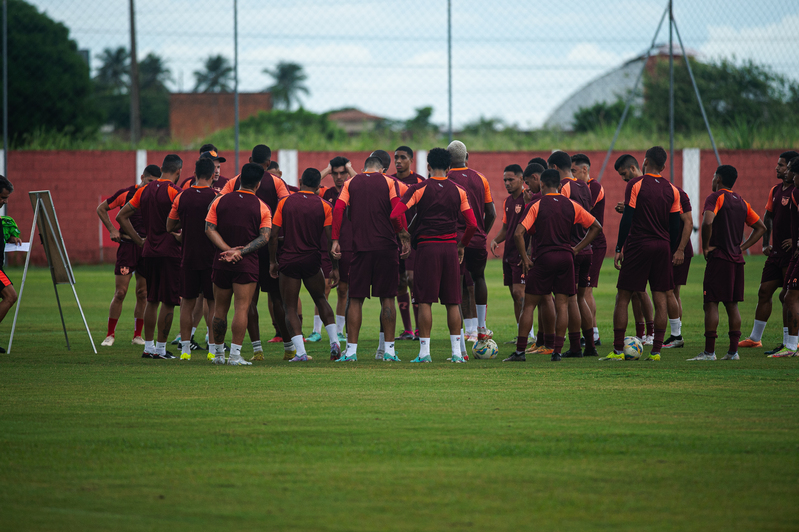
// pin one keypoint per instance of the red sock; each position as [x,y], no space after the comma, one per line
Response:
[549,341]
[734,337]
[618,338]
[112,325]
[574,342]
[138,325]
[639,329]
[657,342]
[521,343]
[588,334]
[710,341]
[650,328]
[404,301]
[559,341]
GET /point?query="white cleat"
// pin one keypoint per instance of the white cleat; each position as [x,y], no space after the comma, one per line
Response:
[236,360]
[137,340]
[649,339]
[219,360]
[108,342]
[457,359]
[704,355]
[731,356]
[379,354]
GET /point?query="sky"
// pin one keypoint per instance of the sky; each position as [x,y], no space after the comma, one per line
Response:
[515,60]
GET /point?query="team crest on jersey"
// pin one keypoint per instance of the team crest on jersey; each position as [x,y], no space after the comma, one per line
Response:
[785,201]
[518,209]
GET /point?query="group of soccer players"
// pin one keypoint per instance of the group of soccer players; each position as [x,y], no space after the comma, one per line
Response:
[216,242]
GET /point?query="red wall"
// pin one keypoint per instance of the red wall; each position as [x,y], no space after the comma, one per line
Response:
[79,180]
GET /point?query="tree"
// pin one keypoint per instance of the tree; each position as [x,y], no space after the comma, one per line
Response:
[113,76]
[153,74]
[421,122]
[288,83]
[483,126]
[217,76]
[598,116]
[49,83]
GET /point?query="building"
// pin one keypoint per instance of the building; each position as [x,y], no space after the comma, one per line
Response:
[195,115]
[354,121]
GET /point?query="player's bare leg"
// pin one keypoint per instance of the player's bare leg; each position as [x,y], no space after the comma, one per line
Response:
[660,300]
[138,310]
[525,319]
[316,335]
[562,323]
[121,283]
[674,306]
[280,322]
[481,303]
[620,318]
[341,308]
[165,315]
[762,314]
[354,319]
[319,289]
[413,304]
[9,297]
[242,299]
[187,312]
[577,318]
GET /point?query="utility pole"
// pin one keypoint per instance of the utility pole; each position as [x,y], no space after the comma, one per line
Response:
[236,76]
[135,113]
[671,91]
[449,64]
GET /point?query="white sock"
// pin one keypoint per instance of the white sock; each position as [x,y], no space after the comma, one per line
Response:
[471,325]
[332,335]
[317,324]
[676,326]
[463,342]
[257,347]
[381,343]
[235,350]
[160,348]
[785,336]
[481,317]
[352,349]
[149,346]
[531,334]
[792,342]
[185,346]
[193,330]
[206,336]
[299,344]
[288,346]
[212,349]
[389,348]
[455,341]
[424,347]
[757,330]
[596,334]
[220,350]
[340,321]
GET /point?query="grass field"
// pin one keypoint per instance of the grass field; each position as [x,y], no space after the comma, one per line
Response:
[114,442]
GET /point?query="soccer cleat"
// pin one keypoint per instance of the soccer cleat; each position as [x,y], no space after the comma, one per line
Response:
[648,339]
[194,346]
[348,358]
[783,353]
[748,343]
[258,356]
[108,342]
[275,340]
[156,356]
[555,357]
[185,356]
[465,356]
[288,354]
[236,360]
[416,335]
[314,337]
[673,342]
[582,341]
[773,351]
[391,358]
[516,357]
[406,335]
[210,356]
[422,360]
[470,337]
[299,358]
[335,352]
[590,352]
[510,342]
[341,338]
[147,355]
[489,334]
[704,355]
[572,354]
[653,357]
[168,355]
[219,360]
[379,354]
[137,340]
[598,342]
[613,356]
[457,359]
[731,356]
[176,341]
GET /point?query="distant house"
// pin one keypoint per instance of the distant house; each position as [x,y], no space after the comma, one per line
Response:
[608,88]
[195,115]
[354,121]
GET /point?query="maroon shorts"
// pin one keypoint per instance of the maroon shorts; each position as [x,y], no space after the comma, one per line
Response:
[410,261]
[439,282]
[681,272]
[724,281]
[129,259]
[512,273]
[648,261]
[327,264]
[163,280]
[196,282]
[4,280]
[344,264]
[597,258]
[378,270]
[225,279]
[790,274]
[266,281]
[553,272]
[474,259]
[301,269]
[774,267]
[582,270]
[468,282]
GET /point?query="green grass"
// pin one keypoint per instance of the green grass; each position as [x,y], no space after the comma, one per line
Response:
[114,442]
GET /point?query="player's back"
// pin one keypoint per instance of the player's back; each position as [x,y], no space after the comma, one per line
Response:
[733,213]
[598,209]
[479,193]
[779,204]
[438,203]
[514,212]
[191,206]
[579,192]
[155,201]
[685,206]
[303,217]
[369,198]
[553,217]
[653,198]
[345,237]
[120,198]
[238,217]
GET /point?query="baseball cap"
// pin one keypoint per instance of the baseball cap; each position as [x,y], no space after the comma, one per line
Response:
[213,155]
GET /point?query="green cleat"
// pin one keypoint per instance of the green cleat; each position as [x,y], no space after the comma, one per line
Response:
[613,356]
[422,360]
[653,357]
[390,358]
[341,338]
[315,337]
[348,358]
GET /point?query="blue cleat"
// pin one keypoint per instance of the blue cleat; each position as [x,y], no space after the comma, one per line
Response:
[390,358]
[348,358]
[422,359]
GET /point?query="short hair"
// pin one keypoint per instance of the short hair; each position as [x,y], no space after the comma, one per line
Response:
[251,174]
[273,166]
[311,177]
[172,164]
[261,153]
[728,175]
[373,162]
[515,168]
[550,178]
[793,165]
[406,149]
[152,170]
[581,158]
[658,156]
[788,155]
[208,147]
[204,168]
[5,184]
[383,157]
[538,160]
[533,168]
[625,161]
[335,162]
[560,160]
[439,159]
[457,150]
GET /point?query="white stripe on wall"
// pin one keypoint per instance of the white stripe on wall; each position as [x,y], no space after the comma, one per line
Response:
[141,164]
[690,184]
[421,163]
[287,159]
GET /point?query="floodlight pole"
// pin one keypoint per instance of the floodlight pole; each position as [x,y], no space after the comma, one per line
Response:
[671,91]
[236,78]
[135,104]
[449,65]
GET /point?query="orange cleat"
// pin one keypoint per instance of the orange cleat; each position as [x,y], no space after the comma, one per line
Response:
[749,343]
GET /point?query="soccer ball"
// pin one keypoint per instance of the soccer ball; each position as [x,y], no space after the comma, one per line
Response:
[633,348]
[485,349]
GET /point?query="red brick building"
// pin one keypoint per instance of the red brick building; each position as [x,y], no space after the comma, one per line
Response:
[195,115]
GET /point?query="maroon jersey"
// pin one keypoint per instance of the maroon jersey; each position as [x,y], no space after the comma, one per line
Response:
[120,198]
[512,214]
[438,203]
[578,191]
[369,198]
[780,206]
[303,217]
[239,216]
[345,237]
[218,184]
[653,199]
[191,208]
[550,220]
[685,206]
[795,220]
[412,179]
[732,213]
[155,201]
[479,193]
[598,210]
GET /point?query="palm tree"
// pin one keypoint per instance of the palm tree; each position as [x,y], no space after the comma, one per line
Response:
[288,83]
[114,74]
[153,74]
[217,76]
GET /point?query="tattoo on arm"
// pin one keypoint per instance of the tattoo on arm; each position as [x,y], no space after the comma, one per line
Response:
[209,225]
[259,242]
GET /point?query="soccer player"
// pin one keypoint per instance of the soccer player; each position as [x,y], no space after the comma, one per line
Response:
[792,277]
[723,219]
[439,203]
[304,217]
[579,192]
[581,170]
[403,162]
[550,220]
[777,247]
[128,259]
[188,216]
[475,256]
[370,197]
[209,151]
[649,230]
[238,224]
[161,252]
[686,251]
[8,296]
